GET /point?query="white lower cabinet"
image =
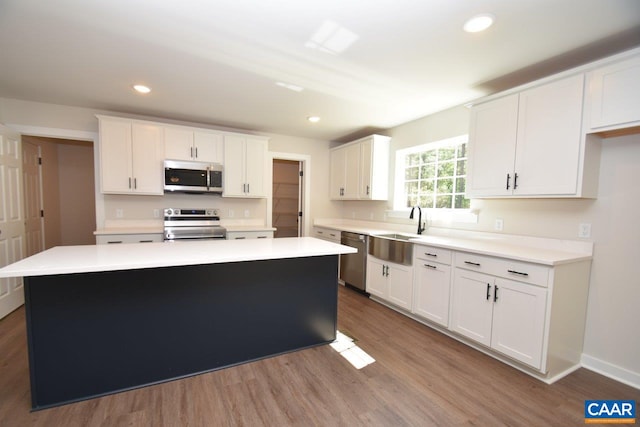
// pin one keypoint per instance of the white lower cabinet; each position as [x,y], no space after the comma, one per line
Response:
[327,234]
[390,282]
[528,315]
[109,239]
[432,284]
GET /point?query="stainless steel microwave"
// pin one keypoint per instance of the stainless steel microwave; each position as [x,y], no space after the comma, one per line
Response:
[192,177]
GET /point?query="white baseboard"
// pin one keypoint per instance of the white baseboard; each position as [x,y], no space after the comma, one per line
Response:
[607,369]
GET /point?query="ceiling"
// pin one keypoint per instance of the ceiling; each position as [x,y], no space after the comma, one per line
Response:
[218,61]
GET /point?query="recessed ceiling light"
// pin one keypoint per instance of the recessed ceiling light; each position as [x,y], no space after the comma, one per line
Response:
[142,88]
[479,23]
[313,119]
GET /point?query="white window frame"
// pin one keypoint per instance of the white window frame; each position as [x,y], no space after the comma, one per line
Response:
[444,215]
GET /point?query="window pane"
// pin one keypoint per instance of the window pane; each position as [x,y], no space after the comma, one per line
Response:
[460,185]
[428,156]
[443,201]
[427,171]
[445,186]
[411,173]
[445,169]
[411,201]
[427,187]
[447,153]
[462,167]
[412,159]
[411,188]
[462,203]
[426,201]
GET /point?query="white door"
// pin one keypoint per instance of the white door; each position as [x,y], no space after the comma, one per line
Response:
[400,285]
[255,158]
[377,283]
[472,305]
[549,132]
[492,147]
[518,321]
[11,219]
[431,293]
[31,170]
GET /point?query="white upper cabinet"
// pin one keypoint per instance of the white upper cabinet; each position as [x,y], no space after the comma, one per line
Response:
[492,147]
[530,144]
[131,156]
[549,138]
[360,169]
[245,159]
[614,96]
[184,143]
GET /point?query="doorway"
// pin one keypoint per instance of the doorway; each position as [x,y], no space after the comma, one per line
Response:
[286,197]
[59,192]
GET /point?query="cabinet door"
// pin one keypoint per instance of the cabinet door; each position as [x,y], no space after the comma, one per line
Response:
[255,158]
[366,172]
[208,147]
[178,143]
[147,158]
[337,178]
[518,321]
[115,156]
[376,278]
[400,285]
[549,132]
[352,172]
[234,177]
[472,305]
[615,94]
[431,292]
[492,147]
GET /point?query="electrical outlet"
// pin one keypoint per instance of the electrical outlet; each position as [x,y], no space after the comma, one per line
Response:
[119,213]
[156,213]
[584,231]
[231,213]
[247,213]
[499,224]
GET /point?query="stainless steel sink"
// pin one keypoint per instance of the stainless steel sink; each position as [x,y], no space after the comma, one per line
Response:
[403,237]
[394,248]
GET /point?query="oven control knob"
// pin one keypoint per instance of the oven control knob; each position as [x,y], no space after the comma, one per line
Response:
[168,211]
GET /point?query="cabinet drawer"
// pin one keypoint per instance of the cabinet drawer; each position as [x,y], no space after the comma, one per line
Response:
[500,267]
[326,234]
[433,254]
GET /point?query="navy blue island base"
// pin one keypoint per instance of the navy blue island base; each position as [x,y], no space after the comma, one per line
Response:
[92,334]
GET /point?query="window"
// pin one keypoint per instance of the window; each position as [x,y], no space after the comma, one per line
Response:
[432,175]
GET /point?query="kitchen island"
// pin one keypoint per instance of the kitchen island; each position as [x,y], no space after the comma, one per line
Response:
[108,318]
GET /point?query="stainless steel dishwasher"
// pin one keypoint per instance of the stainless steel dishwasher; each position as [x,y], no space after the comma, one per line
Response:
[353,267]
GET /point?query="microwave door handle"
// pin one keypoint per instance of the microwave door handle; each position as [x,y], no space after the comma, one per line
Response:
[208,178]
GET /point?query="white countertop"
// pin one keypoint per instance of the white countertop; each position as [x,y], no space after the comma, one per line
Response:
[537,250]
[96,258]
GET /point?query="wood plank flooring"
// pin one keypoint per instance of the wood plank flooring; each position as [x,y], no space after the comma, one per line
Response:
[420,378]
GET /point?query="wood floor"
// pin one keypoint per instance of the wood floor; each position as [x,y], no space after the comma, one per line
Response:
[420,378]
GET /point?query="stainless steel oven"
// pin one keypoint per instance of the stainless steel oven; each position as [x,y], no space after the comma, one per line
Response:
[192,224]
